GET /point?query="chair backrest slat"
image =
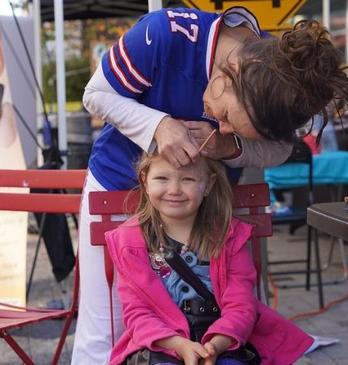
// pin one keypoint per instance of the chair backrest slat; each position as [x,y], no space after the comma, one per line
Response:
[98,230]
[50,179]
[113,202]
[262,223]
[47,201]
[40,202]
[250,196]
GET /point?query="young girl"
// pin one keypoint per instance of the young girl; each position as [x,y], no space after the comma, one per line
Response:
[189,210]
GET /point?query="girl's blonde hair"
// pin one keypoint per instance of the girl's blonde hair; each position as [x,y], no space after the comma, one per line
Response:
[213,216]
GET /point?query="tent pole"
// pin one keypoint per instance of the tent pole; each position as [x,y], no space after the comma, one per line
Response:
[346,31]
[60,70]
[154,5]
[326,14]
[36,14]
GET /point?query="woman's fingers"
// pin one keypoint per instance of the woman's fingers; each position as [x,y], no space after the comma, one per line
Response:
[202,133]
[180,154]
[178,157]
[218,146]
[175,143]
[199,130]
[181,142]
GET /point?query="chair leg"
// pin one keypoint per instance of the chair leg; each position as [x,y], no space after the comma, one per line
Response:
[344,259]
[17,349]
[318,269]
[70,316]
[62,338]
[309,254]
[38,244]
[329,259]
[109,275]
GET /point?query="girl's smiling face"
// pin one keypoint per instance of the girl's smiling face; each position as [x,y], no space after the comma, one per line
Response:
[177,193]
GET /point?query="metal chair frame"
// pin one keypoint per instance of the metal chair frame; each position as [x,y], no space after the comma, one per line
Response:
[303,155]
[11,317]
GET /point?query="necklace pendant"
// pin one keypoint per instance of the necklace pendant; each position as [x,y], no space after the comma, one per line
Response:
[157,260]
[159,264]
[165,271]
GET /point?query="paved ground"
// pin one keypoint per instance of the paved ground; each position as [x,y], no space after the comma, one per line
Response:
[332,323]
[40,340]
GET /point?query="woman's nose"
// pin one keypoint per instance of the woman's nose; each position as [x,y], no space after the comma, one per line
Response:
[225,128]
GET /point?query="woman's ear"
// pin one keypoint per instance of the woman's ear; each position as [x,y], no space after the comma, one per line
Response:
[227,79]
[233,65]
[210,184]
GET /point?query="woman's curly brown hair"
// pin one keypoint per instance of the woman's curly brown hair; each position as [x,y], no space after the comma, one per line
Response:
[283,82]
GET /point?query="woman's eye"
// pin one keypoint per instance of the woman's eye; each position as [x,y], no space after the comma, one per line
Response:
[188,178]
[161,178]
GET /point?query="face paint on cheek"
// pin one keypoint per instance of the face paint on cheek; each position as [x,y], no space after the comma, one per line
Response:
[202,187]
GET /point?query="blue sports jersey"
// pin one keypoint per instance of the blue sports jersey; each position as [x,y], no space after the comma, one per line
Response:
[164,62]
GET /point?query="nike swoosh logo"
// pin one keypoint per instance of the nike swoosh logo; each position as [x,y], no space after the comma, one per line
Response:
[147,39]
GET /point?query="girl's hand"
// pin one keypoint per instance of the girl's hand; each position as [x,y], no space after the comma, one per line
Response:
[175,143]
[211,359]
[216,346]
[192,352]
[219,146]
[189,351]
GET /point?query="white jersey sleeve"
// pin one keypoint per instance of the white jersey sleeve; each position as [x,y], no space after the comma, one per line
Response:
[136,121]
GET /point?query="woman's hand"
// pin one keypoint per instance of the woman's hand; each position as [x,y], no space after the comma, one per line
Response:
[175,143]
[189,351]
[219,147]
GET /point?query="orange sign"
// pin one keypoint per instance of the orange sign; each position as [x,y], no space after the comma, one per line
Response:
[271,14]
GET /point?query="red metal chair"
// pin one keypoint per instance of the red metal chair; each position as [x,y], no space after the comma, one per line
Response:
[50,202]
[248,202]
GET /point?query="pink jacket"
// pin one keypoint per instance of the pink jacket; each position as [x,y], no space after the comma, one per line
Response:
[150,314]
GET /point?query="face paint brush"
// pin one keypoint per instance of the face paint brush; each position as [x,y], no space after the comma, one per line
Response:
[207,140]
